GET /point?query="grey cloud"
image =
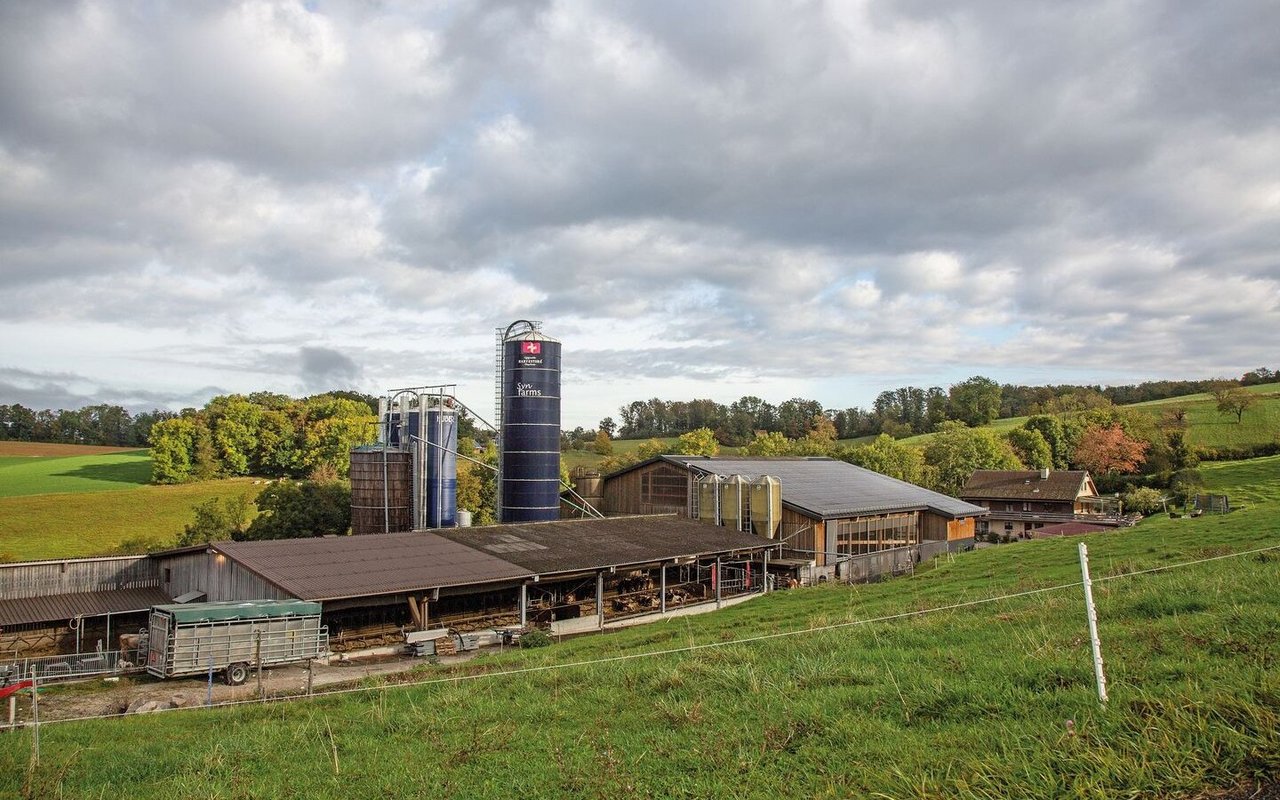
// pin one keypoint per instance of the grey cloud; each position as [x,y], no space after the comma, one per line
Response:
[322,369]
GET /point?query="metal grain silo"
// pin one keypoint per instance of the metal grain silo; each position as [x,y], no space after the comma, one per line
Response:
[529,452]
[437,448]
[766,506]
[733,494]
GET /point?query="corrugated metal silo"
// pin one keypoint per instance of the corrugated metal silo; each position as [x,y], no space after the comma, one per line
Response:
[529,456]
[766,506]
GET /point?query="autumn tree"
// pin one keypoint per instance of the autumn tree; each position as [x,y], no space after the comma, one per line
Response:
[1108,450]
[768,444]
[700,442]
[602,445]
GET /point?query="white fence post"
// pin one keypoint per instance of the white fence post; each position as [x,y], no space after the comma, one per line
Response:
[1092,613]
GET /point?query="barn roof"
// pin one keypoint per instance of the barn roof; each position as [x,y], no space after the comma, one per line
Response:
[334,567]
[1026,484]
[826,488]
[63,607]
[586,544]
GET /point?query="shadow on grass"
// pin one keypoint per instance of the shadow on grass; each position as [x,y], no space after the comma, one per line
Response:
[136,471]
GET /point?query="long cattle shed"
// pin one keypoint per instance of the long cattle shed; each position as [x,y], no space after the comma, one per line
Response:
[570,575]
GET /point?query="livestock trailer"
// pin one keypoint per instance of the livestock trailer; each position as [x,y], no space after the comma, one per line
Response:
[233,637]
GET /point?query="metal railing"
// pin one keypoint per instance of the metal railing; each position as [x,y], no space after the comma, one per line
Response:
[71,665]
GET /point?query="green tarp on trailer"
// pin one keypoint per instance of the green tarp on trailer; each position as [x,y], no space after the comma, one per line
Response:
[230,610]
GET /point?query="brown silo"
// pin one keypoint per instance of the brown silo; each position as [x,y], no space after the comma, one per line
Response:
[381,490]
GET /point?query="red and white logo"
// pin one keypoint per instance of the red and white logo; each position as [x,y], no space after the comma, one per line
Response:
[531,348]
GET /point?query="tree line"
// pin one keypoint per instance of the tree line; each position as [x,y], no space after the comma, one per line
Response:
[905,411]
[107,425]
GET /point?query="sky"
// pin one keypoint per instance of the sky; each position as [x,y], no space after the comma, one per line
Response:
[713,199]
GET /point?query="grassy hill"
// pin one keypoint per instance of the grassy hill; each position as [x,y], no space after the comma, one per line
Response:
[917,687]
[1206,427]
[65,500]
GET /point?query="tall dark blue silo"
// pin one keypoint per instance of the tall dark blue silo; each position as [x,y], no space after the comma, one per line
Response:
[441,496]
[529,468]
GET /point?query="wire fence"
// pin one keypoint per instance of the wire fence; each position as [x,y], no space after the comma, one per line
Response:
[689,648]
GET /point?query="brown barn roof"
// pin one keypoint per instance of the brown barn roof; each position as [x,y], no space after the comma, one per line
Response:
[62,607]
[1069,529]
[586,544]
[1025,484]
[329,568]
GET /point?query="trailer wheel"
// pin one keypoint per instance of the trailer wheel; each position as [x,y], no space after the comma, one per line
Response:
[237,674]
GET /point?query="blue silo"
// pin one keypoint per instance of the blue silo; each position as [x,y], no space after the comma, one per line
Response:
[529,466]
[440,495]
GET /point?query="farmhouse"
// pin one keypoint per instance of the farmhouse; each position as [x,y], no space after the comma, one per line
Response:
[571,576]
[1023,501]
[836,521]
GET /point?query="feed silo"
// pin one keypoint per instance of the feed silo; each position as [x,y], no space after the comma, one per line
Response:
[437,449]
[529,425]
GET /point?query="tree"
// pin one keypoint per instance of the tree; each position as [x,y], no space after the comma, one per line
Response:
[888,457]
[608,426]
[700,442]
[603,445]
[293,510]
[1054,433]
[1235,400]
[477,485]
[976,401]
[1108,450]
[1031,448]
[215,520]
[651,448]
[768,444]
[1143,500]
[957,450]
[173,444]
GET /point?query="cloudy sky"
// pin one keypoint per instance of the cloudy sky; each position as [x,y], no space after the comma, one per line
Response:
[699,199]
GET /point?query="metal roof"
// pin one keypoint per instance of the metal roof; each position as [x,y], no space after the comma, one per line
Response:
[826,488]
[63,607]
[578,545]
[334,567]
[1063,485]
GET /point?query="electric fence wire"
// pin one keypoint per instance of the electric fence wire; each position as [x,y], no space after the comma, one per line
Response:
[691,648]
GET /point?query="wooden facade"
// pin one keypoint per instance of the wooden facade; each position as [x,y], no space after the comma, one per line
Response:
[73,576]
[217,576]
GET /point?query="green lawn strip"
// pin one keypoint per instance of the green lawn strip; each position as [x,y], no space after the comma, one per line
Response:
[69,525]
[971,702]
[96,473]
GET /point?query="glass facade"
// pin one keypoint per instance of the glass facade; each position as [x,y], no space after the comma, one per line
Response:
[873,534]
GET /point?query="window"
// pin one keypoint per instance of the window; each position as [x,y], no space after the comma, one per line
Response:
[663,487]
[871,534]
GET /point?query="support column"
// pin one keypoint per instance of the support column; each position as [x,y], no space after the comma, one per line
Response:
[524,604]
[600,600]
[663,596]
[426,606]
[766,571]
[715,577]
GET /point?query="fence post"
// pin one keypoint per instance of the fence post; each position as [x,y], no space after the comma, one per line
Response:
[257,656]
[1091,612]
[35,718]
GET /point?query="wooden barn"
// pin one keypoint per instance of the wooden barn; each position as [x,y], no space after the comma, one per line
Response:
[837,520]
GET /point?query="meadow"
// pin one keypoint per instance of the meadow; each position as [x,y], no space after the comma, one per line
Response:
[64,501]
[970,679]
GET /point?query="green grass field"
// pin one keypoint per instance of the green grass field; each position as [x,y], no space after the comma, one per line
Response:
[96,522]
[107,472]
[962,698]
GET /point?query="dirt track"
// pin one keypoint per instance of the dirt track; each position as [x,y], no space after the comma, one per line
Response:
[99,698]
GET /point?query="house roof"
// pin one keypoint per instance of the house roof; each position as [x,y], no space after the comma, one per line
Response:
[827,488]
[585,544]
[1069,529]
[62,607]
[334,567]
[1025,484]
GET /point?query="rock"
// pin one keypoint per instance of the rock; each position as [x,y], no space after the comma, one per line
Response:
[145,706]
[179,701]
